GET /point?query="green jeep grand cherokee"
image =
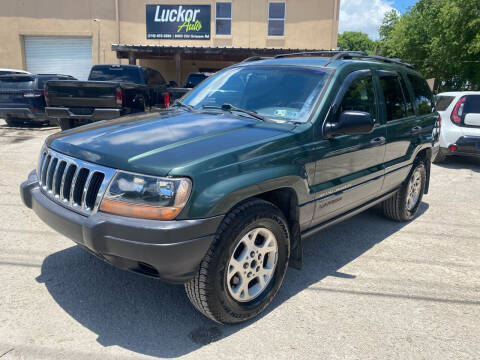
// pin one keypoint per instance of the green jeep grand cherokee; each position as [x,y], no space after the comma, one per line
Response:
[218,192]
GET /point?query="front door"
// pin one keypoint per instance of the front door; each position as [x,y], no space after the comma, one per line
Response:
[349,170]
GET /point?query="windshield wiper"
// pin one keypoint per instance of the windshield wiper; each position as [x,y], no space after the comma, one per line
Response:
[184,106]
[230,108]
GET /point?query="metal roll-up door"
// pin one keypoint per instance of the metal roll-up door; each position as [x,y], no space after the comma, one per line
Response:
[59,55]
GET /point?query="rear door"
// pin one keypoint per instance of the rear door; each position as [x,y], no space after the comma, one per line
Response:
[349,170]
[407,122]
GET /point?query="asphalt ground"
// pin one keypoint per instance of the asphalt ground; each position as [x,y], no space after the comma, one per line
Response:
[370,288]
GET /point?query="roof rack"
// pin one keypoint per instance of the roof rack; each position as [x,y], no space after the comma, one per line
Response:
[256,58]
[322,53]
[334,55]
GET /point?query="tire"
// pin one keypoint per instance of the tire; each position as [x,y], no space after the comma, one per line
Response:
[66,124]
[14,122]
[212,289]
[439,158]
[401,207]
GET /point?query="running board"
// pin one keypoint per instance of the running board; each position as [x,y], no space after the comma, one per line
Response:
[348,214]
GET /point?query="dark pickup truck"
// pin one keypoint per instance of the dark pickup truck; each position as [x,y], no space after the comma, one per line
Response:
[218,191]
[111,91]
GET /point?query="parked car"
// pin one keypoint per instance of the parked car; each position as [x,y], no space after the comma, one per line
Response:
[22,97]
[12,71]
[460,134]
[217,192]
[195,78]
[111,91]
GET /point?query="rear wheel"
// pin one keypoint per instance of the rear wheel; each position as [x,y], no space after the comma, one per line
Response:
[66,124]
[13,121]
[403,206]
[245,265]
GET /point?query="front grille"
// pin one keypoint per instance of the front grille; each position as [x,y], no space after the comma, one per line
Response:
[71,182]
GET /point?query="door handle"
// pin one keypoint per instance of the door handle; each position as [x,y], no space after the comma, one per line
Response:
[378,141]
[416,129]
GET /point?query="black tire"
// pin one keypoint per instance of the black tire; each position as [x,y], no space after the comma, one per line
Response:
[396,208]
[440,158]
[14,122]
[66,124]
[208,290]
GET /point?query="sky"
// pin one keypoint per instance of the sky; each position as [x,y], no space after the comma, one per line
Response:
[367,15]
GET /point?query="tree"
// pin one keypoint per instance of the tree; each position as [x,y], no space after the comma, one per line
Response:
[390,19]
[441,38]
[355,41]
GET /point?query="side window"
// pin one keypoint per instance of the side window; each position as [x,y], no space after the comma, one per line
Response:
[423,95]
[360,96]
[408,99]
[443,102]
[393,95]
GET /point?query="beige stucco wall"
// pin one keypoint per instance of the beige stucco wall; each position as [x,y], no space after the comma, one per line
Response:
[311,24]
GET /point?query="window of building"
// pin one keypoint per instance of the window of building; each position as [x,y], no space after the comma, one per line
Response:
[223,18]
[423,95]
[360,96]
[393,94]
[276,19]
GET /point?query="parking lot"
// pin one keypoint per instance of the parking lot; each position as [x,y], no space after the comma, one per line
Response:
[370,288]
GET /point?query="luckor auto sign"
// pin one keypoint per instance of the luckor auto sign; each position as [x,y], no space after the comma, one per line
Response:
[178,22]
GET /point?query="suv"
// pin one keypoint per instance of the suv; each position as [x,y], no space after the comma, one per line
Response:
[217,192]
[22,97]
[460,135]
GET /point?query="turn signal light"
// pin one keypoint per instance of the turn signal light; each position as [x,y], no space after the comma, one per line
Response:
[139,211]
[453,148]
[119,96]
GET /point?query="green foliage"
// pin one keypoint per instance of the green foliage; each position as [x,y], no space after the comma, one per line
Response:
[356,41]
[441,38]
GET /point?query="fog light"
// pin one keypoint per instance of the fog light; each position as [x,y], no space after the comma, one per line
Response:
[453,148]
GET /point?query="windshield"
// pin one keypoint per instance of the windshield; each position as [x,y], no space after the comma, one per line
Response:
[280,92]
[115,73]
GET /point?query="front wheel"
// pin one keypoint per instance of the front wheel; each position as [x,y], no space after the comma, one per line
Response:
[245,265]
[403,206]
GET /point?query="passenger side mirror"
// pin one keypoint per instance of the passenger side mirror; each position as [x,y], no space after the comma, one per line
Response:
[349,123]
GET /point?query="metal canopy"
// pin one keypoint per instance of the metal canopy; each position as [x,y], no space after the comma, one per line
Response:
[132,52]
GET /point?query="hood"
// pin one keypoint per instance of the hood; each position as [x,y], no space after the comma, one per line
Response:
[155,143]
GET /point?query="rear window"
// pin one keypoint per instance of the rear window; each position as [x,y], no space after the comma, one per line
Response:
[443,102]
[472,104]
[423,95]
[16,82]
[114,73]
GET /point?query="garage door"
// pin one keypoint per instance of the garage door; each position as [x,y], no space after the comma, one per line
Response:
[59,55]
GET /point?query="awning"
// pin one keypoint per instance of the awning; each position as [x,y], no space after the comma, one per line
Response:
[132,52]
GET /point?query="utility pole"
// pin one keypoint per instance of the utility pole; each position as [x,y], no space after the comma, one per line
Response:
[98,39]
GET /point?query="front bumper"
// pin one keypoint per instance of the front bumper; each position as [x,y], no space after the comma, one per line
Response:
[169,250]
[466,145]
[22,113]
[96,115]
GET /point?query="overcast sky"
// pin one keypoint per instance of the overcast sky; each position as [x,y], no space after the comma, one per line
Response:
[367,15]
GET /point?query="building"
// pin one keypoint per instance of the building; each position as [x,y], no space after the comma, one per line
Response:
[175,37]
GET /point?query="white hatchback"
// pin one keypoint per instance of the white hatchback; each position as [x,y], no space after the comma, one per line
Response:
[460,125]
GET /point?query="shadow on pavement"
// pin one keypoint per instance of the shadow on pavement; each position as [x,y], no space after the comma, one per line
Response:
[152,318]
[461,162]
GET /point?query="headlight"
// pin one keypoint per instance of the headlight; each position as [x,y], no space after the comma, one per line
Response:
[146,197]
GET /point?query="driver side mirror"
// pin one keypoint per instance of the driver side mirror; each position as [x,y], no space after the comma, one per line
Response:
[349,123]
